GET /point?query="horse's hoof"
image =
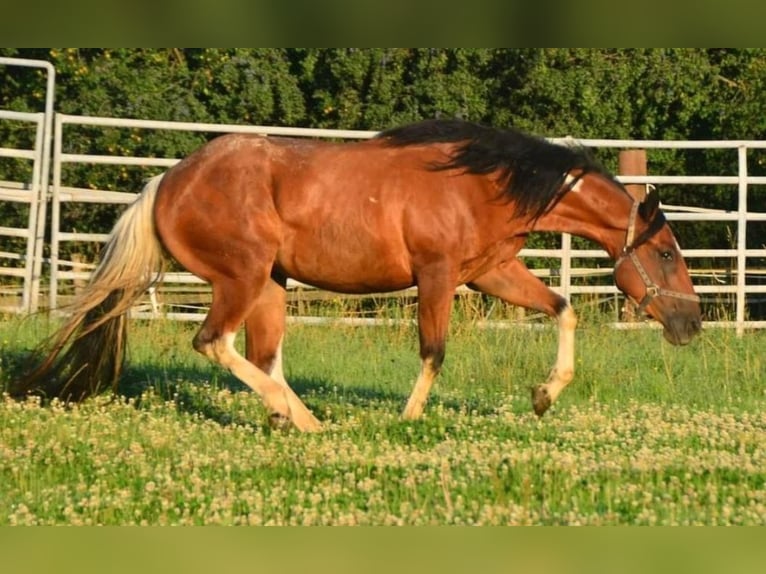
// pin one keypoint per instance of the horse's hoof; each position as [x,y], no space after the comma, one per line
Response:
[541,400]
[280,422]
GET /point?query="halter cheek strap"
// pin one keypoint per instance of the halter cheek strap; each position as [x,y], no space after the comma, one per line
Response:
[629,252]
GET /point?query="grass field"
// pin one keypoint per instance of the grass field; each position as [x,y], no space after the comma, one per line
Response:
[646,434]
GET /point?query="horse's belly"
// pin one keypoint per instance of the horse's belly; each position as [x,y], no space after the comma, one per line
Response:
[347,272]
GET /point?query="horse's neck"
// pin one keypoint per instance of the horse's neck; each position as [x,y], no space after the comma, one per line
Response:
[602,218]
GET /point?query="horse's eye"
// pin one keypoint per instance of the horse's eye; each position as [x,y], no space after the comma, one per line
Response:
[667,255]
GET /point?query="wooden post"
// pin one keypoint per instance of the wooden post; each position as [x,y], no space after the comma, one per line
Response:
[632,162]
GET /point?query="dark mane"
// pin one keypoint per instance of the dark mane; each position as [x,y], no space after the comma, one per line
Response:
[533,168]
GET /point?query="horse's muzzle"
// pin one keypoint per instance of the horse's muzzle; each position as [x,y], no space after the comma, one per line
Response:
[681,330]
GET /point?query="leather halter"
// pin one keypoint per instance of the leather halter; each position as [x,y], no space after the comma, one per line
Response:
[629,252]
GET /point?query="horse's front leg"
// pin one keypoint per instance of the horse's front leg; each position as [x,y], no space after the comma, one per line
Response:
[513,283]
[436,290]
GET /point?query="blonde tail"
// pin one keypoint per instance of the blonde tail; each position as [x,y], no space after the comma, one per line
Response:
[85,356]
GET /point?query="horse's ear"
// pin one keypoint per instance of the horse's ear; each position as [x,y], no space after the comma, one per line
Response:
[650,205]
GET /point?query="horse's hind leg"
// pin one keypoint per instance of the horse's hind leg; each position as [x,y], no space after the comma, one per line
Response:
[264,334]
[265,328]
[513,283]
[216,340]
[230,238]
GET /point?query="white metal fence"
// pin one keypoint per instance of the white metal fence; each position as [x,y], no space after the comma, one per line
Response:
[20,275]
[21,261]
[735,283]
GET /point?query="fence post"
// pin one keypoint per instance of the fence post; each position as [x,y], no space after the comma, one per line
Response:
[741,239]
[633,162]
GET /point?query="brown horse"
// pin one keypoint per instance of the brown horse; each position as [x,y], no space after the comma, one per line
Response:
[435,204]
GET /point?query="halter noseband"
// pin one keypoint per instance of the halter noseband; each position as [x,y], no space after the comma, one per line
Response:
[629,252]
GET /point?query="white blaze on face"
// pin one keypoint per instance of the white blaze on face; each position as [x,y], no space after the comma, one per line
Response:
[568,182]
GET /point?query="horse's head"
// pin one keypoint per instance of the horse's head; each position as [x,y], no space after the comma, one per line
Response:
[651,271]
